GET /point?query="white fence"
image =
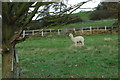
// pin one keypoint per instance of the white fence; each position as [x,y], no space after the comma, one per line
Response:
[42,32]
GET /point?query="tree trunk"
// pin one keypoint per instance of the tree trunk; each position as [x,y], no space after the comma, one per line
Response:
[7,64]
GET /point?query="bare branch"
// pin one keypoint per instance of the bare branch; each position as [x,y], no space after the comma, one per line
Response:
[23,8]
[16,36]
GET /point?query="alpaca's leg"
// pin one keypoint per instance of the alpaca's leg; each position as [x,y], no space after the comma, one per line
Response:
[82,43]
[75,43]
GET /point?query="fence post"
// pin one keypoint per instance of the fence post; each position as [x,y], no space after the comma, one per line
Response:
[17,60]
[58,32]
[42,33]
[90,29]
[23,33]
[97,28]
[66,30]
[12,63]
[50,30]
[82,30]
[105,28]
[16,56]
[74,29]
[32,32]
[16,68]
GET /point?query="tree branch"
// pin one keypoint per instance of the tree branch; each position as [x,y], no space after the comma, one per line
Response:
[16,36]
[19,40]
[23,8]
[35,11]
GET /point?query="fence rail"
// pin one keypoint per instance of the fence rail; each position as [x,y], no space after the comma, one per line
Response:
[59,31]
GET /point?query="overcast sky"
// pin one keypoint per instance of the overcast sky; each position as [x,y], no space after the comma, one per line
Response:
[91,4]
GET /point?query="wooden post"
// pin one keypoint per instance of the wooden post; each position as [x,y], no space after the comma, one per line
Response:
[58,32]
[90,29]
[32,32]
[23,33]
[16,56]
[66,30]
[16,68]
[42,34]
[105,28]
[82,30]
[50,30]
[74,29]
[97,28]
[12,64]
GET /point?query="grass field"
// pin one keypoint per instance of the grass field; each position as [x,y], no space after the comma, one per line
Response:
[99,23]
[55,56]
[84,15]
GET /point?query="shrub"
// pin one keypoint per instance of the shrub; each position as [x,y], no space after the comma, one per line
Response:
[98,15]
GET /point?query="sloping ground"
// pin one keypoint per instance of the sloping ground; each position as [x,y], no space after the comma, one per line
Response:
[56,56]
[87,22]
[84,15]
[99,23]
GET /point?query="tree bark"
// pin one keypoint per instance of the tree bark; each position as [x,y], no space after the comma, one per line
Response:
[7,64]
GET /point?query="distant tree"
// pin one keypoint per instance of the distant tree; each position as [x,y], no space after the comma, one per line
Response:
[98,15]
[105,10]
[112,7]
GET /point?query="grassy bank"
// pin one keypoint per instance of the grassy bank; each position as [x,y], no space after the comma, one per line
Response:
[99,23]
[55,56]
[84,15]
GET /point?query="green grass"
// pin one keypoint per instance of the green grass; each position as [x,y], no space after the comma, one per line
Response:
[55,56]
[84,15]
[87,22]
[99,23]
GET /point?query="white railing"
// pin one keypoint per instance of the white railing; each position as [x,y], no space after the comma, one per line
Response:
[59,31]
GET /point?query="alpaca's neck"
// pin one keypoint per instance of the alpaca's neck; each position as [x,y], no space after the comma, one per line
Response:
[71,37]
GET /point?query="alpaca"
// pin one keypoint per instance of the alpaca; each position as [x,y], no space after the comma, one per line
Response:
[76,40]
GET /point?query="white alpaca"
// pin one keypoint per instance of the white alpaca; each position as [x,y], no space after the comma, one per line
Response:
[76,40]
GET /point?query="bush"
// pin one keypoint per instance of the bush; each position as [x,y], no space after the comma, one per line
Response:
[98,15]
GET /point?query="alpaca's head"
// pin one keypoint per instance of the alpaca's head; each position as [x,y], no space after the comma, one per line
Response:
[71,35]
